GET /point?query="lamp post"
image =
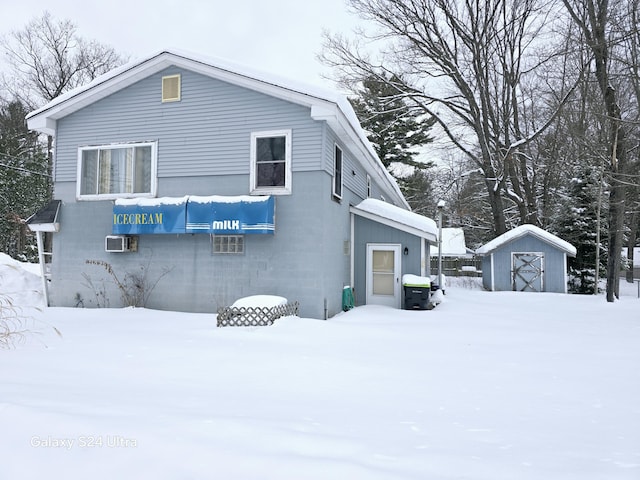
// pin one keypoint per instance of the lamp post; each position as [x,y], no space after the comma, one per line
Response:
[440,207]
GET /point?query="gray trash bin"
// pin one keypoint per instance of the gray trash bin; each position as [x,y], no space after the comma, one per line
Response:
[416,292]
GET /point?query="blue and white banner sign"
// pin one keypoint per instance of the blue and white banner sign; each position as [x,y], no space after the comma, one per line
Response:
[237,215]
[216,214]
[149,215]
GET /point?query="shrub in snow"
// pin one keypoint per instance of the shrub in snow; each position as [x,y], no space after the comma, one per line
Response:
[11,325]
[582,280]
[135,287]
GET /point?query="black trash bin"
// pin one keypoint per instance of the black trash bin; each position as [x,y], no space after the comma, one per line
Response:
[416,292]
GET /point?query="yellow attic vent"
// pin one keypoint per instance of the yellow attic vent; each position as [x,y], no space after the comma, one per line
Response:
[171,88]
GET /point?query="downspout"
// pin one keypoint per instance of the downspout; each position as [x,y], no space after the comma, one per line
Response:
[423,257]
[351,253]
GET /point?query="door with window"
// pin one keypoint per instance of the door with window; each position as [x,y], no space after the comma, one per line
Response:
[383,275]
[528,271]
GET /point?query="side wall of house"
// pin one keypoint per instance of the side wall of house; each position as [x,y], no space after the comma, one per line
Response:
[203,149]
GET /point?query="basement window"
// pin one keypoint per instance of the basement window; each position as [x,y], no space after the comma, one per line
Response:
[228,244]
[171,88]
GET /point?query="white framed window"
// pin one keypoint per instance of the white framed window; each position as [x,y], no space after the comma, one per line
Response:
[228,244]
[368,186]
[337,172]
[117,171]
[270,171]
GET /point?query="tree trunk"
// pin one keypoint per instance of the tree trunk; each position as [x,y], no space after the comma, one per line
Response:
[497,207]
[633,236]
[592,17]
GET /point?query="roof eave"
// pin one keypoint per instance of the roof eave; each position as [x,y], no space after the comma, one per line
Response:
[338,121]
[571,253]
[392,223]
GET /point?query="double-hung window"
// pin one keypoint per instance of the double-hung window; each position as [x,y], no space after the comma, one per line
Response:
[337,172]
[114,171]
[271,162]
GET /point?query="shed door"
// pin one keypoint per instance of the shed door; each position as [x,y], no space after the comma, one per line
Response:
[528,272]
[383,275]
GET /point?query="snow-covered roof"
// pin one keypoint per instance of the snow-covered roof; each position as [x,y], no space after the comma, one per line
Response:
[397,217]
[326,105]
[521,231]
[453,242]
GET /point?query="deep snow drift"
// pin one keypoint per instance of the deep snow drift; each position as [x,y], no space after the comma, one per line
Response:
[487,386]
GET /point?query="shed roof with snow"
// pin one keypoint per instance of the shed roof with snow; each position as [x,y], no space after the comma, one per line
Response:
[454,243]
[524,230]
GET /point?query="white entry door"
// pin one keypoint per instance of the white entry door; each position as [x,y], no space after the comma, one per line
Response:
[383,274]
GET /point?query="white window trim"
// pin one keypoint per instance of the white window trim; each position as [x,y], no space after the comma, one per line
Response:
[336,147]
[253,177]
[113,196]
[368,186]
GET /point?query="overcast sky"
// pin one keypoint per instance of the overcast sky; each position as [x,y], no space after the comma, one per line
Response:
[277,36]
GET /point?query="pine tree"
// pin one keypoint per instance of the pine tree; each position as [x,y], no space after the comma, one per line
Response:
[395,130]
[24,181]
[577,224]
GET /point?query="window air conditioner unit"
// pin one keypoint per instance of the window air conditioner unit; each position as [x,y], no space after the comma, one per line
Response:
[117,243]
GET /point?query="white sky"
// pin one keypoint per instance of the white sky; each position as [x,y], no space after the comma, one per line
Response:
[277,36]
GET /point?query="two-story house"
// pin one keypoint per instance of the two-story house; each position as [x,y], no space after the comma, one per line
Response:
[221,182]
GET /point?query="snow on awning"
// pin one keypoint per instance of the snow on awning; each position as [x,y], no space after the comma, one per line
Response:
[522,230]
[396,217]
[221,215]
[241,214]
[149,215]
[46,219]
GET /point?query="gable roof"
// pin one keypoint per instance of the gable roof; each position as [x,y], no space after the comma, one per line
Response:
[453,242]
[396,217]
[325,105]
[523,230]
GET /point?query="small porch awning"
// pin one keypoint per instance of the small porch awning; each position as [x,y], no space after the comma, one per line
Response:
[398,218]
[46,219]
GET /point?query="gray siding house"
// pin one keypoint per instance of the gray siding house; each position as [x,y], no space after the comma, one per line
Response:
[218,183]
[527,259]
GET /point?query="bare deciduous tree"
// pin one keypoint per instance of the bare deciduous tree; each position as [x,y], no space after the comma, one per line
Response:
[464,64]
[601,33]
[47,58]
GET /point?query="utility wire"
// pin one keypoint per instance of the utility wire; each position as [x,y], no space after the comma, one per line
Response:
[25,170]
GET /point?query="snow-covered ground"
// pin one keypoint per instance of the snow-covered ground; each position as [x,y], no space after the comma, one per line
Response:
[487,386]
